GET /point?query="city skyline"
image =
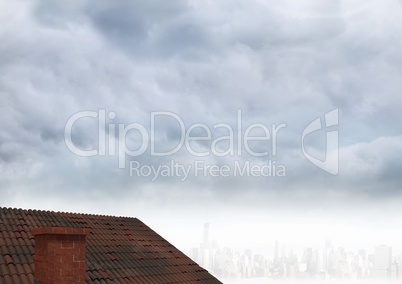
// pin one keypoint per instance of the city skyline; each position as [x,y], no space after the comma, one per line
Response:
[325,262]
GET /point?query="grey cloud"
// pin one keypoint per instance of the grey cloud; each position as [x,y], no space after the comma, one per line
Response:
[373,167]
[278,62]
[146,28]
[58,15]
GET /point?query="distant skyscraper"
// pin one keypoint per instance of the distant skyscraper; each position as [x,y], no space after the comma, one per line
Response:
[206,235]
[205,249]
[328,245]
[382,257]
[276,253]
[309,257]
[382,261]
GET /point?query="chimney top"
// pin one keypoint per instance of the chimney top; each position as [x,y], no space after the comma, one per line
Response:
[60,231]
[60,255]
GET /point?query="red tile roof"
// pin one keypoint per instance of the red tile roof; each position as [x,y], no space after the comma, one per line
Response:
[119,249]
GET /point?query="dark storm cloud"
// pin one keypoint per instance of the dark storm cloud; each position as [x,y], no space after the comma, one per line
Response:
[146,28]
[281,62]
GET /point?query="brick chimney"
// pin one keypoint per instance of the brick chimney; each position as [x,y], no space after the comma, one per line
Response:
[60,255]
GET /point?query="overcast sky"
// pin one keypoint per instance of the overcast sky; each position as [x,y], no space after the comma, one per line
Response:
[276,62]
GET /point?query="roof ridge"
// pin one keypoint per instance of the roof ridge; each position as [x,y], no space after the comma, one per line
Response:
[67,212]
